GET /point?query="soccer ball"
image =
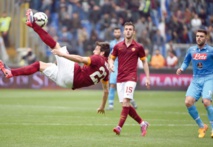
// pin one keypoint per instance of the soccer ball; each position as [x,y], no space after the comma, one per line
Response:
[40,18]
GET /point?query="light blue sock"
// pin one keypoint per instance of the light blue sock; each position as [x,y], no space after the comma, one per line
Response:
[111,96]
[194,114]
[210,114]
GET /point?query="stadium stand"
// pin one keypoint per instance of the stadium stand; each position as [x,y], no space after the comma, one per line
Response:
[166,24]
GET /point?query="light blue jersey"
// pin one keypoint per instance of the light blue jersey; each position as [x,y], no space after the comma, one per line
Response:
[113,75]
[202,60]
[202,63]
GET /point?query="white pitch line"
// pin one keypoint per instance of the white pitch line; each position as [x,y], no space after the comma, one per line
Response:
[170,112]
[70,124]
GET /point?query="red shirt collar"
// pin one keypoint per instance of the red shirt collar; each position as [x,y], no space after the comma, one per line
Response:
[132,43]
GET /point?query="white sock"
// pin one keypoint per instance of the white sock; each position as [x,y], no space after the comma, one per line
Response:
[142,123]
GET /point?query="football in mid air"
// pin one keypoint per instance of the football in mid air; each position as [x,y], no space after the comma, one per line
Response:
[40,18]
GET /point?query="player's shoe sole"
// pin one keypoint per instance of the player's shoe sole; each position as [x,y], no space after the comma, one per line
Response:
[202,131]
[30,19]
[3,68]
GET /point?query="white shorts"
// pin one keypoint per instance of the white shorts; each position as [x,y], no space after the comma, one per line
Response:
[62,73]
[126,90]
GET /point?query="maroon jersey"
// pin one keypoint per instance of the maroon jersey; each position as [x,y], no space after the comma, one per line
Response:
[127,60]
[91,74]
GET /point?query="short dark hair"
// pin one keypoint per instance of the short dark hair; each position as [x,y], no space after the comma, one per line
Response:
[203,31]
[172,51]
[116,28]
[129,24]
[104,48]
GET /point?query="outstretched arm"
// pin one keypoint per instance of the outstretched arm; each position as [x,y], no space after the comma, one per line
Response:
[105,96]
[146,70]
[74,58]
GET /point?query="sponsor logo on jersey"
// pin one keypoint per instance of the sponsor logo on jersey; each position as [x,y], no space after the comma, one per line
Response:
[199,56]
[133,49]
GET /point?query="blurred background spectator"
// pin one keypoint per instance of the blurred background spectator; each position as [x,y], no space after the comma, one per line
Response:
[171,59]
[157,60]
[5,21]
[3,54]
[26,56]
[148,56]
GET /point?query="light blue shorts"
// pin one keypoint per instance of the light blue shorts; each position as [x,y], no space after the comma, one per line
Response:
[201,87]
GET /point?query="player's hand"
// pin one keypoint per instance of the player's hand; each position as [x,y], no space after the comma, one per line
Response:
[57,52]
[111,68]
[179,71]
[148,83]
[101,110]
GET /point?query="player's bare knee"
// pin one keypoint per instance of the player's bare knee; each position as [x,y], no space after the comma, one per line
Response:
[189,101]
[112,85]
[206,102]
[126,102]
[43,65]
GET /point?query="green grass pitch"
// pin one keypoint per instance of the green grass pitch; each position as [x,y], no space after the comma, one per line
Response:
[65,118]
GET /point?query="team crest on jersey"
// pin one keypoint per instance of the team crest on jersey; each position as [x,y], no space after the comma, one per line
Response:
[133,49]
[199,56]
[120,48]
[200,65]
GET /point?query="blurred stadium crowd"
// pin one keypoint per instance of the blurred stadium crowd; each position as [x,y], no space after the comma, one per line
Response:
[160,24]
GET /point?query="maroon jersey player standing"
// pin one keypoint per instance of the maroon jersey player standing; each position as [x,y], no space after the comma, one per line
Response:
[128,52]
[68,73]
